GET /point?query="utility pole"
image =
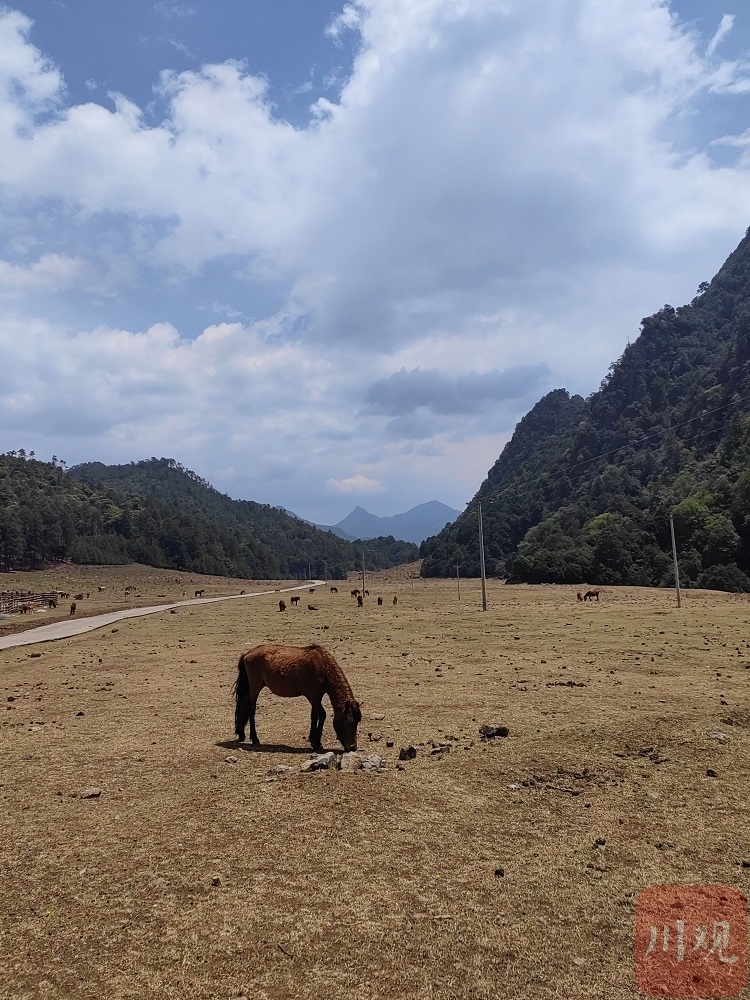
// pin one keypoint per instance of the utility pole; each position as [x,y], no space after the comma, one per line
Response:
[458,582]
[363,573]
[481,561]
[674,560]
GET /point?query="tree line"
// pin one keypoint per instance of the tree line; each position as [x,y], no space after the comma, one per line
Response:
[160,514]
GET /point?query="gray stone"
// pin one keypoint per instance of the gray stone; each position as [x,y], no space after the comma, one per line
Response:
[230,760]
[377,716]
[357,760]
[320,763]
[279,772]
[375,737]
[407,753]
[491,732]
[91,793]
[372,762]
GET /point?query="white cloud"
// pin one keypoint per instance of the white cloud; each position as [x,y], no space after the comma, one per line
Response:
[725,26]
[355,484]
[51,273]
[498,187]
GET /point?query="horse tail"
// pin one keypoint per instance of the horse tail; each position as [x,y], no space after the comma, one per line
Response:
[241,692]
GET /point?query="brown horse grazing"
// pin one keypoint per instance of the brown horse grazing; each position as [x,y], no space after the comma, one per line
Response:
[334,590]
[295,600]
[380,601]
[395,599]
[296,672]
[282,606]
[72,610]
[360,600]
[590,595]
[578,595]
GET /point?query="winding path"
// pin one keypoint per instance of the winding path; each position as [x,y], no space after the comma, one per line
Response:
[78,626]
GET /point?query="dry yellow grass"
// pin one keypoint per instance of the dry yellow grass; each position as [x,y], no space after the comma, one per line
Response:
[365,886]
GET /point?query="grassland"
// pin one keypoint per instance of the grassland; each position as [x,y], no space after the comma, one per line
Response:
[358,885]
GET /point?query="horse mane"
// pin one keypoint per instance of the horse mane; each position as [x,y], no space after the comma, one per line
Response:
[339,688]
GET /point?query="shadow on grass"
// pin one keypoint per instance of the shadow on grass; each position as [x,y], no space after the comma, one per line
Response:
[263,747]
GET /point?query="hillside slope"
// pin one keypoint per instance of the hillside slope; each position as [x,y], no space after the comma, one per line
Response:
[160,514]
[584,489]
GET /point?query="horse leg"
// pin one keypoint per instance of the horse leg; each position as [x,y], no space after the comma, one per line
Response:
[317,718]
[247,692]
[251,719]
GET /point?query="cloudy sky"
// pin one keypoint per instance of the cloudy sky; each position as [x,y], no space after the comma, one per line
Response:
[330,253]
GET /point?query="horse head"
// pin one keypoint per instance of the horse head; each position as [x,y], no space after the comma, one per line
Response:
[345,722]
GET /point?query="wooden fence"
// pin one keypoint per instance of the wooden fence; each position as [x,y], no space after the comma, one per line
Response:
[15,600]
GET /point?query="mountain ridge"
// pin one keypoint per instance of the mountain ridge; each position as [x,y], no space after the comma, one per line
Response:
[158,513]
[585,488]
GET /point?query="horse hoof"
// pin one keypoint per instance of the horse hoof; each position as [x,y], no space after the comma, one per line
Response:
[255,742]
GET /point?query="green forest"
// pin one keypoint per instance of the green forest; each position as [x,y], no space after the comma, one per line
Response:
[158,513]
[584,490]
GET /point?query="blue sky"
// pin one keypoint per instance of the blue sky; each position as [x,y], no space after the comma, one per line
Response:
[328,254]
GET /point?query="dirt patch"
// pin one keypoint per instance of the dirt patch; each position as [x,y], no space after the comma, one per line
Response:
[190,875]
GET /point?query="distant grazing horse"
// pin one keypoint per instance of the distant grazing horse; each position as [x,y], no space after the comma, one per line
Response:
[311,607]
[578,595]
[72,610]
[296,672]
[311,590]
[282,606]
[360,600]
[590,595]
[25,609]
[334,590]
[367,593]
[52,603]
[380,601]
[295,600]
[355,593]
[199,593]
[395,599]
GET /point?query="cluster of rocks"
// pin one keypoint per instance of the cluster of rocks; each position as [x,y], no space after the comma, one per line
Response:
[359,760]
[354,760]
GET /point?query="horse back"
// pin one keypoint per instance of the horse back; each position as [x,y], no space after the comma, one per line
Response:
[288,671]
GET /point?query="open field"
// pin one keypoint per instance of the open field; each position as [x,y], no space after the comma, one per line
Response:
[371,886]
[152,586]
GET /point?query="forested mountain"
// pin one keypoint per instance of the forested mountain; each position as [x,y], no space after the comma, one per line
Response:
[158,513]
[584,490]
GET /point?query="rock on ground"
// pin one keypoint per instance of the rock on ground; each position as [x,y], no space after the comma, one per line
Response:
[320,763]
[490,732]
[279,772]
[357,760]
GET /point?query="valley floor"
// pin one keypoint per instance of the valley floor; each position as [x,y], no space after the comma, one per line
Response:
[192,876]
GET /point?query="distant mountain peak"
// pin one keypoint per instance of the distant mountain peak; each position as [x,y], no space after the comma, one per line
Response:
[413,525]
